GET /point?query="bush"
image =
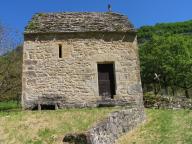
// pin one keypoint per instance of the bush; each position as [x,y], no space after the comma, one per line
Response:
[9,105]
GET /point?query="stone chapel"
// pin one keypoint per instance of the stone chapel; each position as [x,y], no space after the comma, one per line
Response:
[80,59]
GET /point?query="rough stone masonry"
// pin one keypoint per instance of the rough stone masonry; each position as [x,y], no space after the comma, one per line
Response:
[83,59]
[110,129]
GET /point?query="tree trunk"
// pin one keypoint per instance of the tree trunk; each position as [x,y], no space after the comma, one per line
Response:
[173,90]
[155,89]
[187,93]
[165,86]
[166,90]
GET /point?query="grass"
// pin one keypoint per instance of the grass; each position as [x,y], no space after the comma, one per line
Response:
[9,105]
[46,127]
[162,127]
[49,127]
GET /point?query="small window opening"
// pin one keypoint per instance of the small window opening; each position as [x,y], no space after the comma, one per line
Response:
[45,107]
[60,51]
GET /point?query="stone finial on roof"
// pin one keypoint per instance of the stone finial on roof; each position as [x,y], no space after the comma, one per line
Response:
[109,8]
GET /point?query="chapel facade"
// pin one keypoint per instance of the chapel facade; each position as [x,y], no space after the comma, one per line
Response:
[80,59]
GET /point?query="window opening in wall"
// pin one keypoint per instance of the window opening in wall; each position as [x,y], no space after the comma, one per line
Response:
[60,51]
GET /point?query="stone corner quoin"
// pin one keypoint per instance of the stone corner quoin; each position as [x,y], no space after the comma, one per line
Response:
[80,60]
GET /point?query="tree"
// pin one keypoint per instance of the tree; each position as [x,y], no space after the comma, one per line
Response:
[171,57]
[10,65]
[183,62]
[154,57]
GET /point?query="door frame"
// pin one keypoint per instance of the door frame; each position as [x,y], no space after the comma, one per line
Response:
[114,75]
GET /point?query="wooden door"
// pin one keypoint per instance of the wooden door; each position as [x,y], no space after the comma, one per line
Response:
[106,80]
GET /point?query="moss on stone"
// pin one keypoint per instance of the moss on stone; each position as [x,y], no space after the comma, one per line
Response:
[41,14]
[32,26]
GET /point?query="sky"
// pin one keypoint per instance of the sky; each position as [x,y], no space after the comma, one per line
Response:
[15,14]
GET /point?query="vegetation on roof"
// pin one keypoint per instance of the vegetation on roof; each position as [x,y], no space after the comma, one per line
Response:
[32,26]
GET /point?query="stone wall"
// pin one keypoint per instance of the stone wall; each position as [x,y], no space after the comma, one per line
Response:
[110,129]
[170,103]
[72,81]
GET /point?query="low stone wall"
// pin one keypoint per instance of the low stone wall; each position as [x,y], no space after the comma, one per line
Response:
[171,103]
[110,129]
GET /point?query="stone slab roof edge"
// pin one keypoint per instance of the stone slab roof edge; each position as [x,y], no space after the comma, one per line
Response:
[134,31]
[71,22]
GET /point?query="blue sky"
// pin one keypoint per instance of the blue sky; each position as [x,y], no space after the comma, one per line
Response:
[16,13]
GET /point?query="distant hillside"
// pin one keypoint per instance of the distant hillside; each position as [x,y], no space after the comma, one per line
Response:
[10,75]
[145,32]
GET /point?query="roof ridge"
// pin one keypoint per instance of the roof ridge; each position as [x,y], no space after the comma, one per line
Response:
[61,12]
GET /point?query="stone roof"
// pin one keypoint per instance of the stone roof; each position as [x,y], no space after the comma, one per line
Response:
[79,22]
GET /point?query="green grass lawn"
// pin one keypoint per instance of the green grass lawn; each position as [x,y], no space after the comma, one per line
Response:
[162,127]
[49,127]
[46,127]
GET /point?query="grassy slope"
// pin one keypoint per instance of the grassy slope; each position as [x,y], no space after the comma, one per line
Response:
[49,127]
[46,127]
[183,28]
[162,127]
